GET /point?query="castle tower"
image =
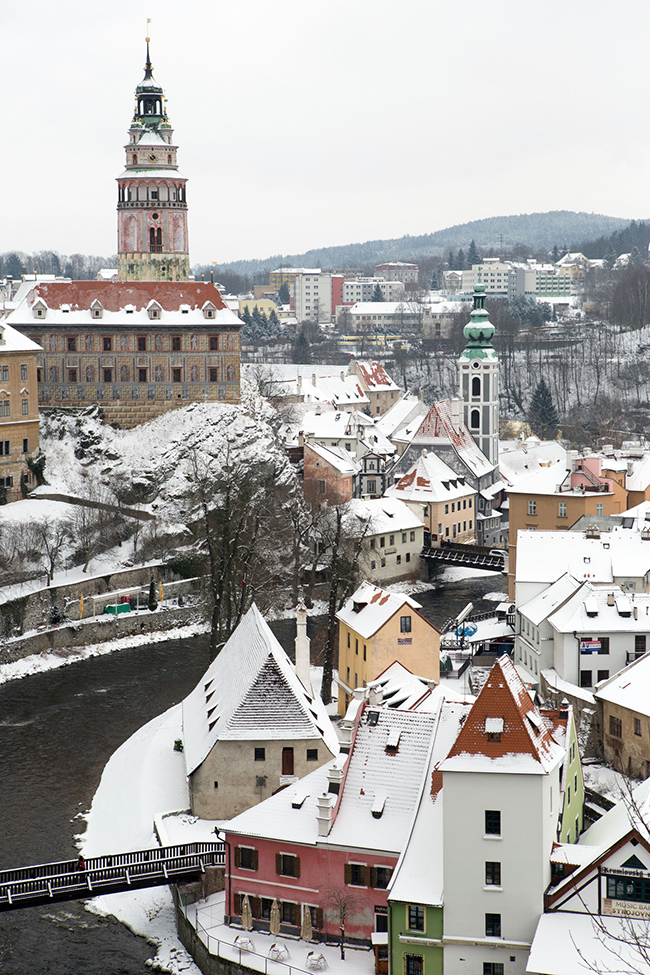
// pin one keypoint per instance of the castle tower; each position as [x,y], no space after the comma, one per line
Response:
[478,368]
[152,207]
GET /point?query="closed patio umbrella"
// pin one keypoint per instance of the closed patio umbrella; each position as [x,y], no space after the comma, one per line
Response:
[246,914]
[274,926]
[305,929]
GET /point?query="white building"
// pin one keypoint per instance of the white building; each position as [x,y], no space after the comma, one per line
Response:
[311,294]
[393,538]
[503,808]
[362,289]
[397,271]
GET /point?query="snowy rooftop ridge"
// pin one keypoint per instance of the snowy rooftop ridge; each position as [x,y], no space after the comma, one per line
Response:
[370,607]
[249,691]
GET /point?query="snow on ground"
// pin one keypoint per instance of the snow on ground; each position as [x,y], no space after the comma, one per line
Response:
[454,573]
[33,509]
[40,662]
[144,777]
[496,597]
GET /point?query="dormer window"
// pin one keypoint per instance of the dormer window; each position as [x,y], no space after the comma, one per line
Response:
[209,310]
[154,312]
[96,310]
[494,728]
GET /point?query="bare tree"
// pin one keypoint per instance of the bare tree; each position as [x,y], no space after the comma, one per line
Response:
[341,902]
[49,540]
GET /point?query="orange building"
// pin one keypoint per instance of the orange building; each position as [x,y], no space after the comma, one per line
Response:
[555,498]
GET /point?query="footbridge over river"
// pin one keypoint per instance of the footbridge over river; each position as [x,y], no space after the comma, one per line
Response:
[65,880]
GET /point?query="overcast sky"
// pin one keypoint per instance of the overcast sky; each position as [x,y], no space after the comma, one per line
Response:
[303,124]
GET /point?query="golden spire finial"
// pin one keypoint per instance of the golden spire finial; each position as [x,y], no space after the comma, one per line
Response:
[148,38]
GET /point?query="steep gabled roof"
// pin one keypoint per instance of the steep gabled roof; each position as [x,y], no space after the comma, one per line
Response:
[370,607]
[251,691]
[438,426]
[505,731]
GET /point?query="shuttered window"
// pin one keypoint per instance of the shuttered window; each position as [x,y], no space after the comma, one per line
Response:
[287,865]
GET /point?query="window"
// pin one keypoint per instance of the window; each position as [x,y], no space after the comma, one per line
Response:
[5,448]
[287,761]
[214,343]
[603,675]
[474,419]
[604,644]
[492,968]
[600,508]
[532,507]
[372,487]
[260,754]
[355,874]
[493,822]
[615,727]
[382,543]
[5,374]
[492,873]
[413,965]
[446,509]
[492,925]
[142,343]
[72,378]
[213,375]
[637,726]
[71,344]
[107,343]
[320,487]
[416,917]
[391,540]
[380,877]
[246,857]
[176,343]
[453,507]
[287,865]
[142,375]
[176,375]
[25,445]
[23,373]
[585,678]
[108,375]
[412,536]
[561,509]
[639,643]
[405,624]
[312,754]
[356,647]
[289,912]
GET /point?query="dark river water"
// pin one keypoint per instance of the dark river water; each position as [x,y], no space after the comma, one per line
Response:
[57,732]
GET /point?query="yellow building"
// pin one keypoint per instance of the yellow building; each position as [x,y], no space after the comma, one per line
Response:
[267,305]
[377,627]
[18,410]
[442,499]
[287,275]
[555,498]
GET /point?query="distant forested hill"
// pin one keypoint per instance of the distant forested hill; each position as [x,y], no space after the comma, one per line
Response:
[563,228]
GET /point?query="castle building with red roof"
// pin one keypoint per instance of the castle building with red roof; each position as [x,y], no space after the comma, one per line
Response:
[151,340]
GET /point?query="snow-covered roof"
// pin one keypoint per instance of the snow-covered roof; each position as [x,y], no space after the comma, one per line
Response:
[382,515]
[574,944]
[626,614]
[114,297]
[12,340]
[370,771]
[327,424]
[403,419]
[150,137]
[546,602]
[544,556]
[338,458]
[518,459]
[375,376]
[545,480]
[430,480]
[439,427]
[630,688]
[251,691]
[370,607]
[531,742]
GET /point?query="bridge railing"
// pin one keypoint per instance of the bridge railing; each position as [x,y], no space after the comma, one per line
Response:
[106,872]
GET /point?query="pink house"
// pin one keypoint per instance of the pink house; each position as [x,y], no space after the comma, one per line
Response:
[331,842]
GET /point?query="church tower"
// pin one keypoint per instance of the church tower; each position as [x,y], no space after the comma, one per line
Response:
[152,207]
[479,378]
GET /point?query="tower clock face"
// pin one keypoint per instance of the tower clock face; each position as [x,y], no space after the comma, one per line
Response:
[152,157]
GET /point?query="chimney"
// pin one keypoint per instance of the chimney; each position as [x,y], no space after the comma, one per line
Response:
[299,383]
[456,412]
[335,778]
[342,377]
[303,661]
[325,808]
[375,694]
[313,378]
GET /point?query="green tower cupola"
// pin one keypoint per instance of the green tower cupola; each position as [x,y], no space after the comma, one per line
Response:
[479,331]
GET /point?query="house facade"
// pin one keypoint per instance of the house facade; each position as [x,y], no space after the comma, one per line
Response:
[377,627]
[251,726]
[19,438]
[443,499]
[623,718]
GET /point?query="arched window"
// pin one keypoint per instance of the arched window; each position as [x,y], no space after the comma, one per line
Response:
[169,158]
[134,158]
[476,386]
[159,240]
[474,420]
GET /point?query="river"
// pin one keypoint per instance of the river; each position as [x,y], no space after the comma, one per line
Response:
[57,731]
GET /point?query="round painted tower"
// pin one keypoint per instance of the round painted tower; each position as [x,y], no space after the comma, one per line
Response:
[152,242]
[479,379]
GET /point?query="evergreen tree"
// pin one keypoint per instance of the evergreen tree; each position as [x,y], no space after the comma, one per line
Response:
[301,349]
[610,256]
[542,414]
[274,321]
[435,281]
[473,256]
[635,257]
[461,263]
[451,261]
[556,254]
[284,295]
[376,294]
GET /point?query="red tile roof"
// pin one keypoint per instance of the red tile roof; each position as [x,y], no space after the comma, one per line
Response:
[114,295]
[526,729]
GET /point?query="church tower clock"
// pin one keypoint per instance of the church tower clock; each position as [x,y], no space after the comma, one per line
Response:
[479,379]
[151,205]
